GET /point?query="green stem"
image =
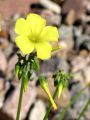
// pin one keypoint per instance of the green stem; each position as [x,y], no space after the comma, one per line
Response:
[20,100]
[84,109]
[49,107]
[72,101]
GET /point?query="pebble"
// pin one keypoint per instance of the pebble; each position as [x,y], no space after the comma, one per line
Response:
[66,37]
[38,111]
[11,63]
[12,34]
[71,17]
[51,18]
[63,65]
[81,40]
[12,102]
[86,45]
[86,72]
[3,61]
[79,63]
[3,43]
[51,6]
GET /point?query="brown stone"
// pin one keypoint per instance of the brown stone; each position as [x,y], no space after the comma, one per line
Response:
[10,7]
[71,17]
[76,5]
[9,110]
[3,61]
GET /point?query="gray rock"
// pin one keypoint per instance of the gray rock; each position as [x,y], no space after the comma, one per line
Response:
[66,37]
[4,86]
[12,34]
[50,65]
[63,65]
[78,104]
[80,41]
[38,112]
[79,63]
[8,51]
[7,113]
[51,18]
[65,32]
[77,31]
[86,45]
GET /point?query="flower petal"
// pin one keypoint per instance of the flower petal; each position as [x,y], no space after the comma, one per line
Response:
[21,27]
[36,23]
[25,45]
[49,33]
[43,50]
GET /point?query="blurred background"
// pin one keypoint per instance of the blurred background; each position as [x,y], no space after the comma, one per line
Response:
[72,18]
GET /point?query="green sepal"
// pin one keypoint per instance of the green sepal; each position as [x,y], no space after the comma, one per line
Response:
[17,69]
[35,64]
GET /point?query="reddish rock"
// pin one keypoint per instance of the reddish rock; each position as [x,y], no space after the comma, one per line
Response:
[75,5]
[10,7]
[71,17]
[11,63]
[3,61]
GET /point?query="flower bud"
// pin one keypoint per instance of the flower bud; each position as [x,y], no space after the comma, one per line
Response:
[45,87]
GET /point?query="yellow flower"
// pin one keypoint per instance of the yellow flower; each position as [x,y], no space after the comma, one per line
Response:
[35,35]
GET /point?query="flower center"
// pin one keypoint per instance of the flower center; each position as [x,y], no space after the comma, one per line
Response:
[34,39]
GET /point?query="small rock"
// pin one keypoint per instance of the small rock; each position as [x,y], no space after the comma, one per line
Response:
[8,51]
[9,11]
[66,37]
[51,6]
[11,63]
[58,1]
[3,62]
[12,34]
[76,5]
[63,65]
[71,17]
[12,102]
[85,18]
[81,101]
[4,86]
[85,45]
[78,76]
[51,18]
[81,40]
[38,111]
[87,74]
[79,63]
[77,31]
[11,67]
[87,115]
[4,34]
[3,43]
[2,83]
[49,65]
